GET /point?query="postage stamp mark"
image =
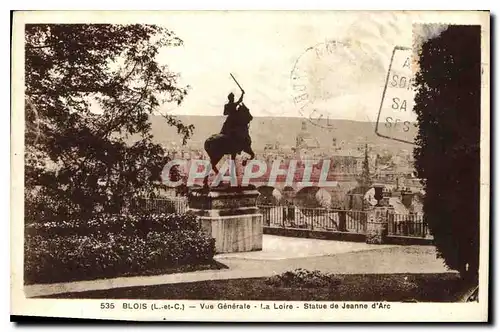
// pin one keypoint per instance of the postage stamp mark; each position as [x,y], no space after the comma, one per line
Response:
[396,119]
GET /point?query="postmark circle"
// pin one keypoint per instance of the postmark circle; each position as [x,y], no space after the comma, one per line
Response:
[324,75]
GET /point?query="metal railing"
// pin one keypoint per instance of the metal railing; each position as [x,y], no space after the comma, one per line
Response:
[314,218]
[412,225]
[333,220]
[320,219]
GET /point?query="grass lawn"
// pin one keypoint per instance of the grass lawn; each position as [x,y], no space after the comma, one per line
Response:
[442,287]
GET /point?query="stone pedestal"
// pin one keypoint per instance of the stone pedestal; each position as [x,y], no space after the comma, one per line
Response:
[230,216]
[377,225]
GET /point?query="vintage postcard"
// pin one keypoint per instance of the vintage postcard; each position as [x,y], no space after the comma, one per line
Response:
[281,166]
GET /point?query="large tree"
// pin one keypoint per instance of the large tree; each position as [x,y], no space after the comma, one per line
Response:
[90,89]
[447,153]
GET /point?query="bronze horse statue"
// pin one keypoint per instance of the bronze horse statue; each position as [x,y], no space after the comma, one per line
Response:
[219,145]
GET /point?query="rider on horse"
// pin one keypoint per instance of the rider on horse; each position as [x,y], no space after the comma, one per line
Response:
[231,106]
[234,137]
[235,125]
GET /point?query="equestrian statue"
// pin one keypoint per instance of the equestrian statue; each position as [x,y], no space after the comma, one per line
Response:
[234,137]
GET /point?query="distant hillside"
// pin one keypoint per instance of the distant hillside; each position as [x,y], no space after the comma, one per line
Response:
[283,130]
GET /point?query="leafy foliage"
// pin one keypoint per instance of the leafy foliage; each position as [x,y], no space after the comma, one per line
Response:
[113,246]
[126,224]
[90,89]
[447,153]
[302,278]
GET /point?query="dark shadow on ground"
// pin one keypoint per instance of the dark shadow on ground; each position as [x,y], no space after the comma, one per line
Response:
[431,287]
[211,265]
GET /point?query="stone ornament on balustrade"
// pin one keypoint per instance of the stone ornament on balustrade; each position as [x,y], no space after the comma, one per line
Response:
[377,223]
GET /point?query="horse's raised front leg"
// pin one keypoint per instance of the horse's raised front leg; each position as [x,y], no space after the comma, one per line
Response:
[250,152]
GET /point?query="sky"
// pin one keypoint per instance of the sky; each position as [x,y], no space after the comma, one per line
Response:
[262,50]
[334,62]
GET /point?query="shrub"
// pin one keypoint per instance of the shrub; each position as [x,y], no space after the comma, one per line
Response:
[117,224]
[301,278]
[92,250]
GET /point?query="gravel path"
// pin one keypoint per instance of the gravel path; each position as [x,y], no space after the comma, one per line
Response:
[280,254]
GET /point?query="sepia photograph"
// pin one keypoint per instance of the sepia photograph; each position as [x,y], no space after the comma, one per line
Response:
[251,165]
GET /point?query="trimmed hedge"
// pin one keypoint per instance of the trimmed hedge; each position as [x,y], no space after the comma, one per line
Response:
[117,224]
[113,246]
